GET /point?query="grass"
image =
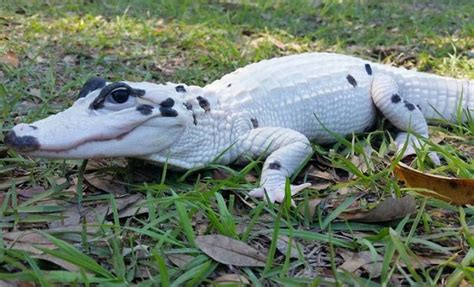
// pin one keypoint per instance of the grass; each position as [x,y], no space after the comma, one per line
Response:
[60,226]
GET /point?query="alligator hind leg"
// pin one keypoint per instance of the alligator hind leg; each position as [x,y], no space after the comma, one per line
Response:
[402,113]
[286,149]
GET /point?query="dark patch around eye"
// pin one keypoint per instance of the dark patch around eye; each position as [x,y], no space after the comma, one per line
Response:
[98,102]
[168,103]
[180,89]
[351,80]
[145,109]
[229,85]
[368,69]
[91,85]
[33,127]
[204,104]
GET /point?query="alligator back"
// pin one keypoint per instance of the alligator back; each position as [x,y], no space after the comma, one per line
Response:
[308,91]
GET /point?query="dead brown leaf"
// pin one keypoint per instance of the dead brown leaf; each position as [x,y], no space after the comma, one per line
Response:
[226,250]
[324,175]
[15,181]
[232,279]
[312,206]
[320,186]
[220,173]
[106,183]
[180,260]
[366,260]
[30,192]
[454,190]
[95,214]
[136,208]
[58,261]
[24,240]
[389,209]
[283,244]
[11,59]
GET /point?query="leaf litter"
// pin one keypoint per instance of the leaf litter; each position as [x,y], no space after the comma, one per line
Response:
[230,251]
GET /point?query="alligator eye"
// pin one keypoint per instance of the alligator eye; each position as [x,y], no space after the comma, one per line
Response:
[119,95]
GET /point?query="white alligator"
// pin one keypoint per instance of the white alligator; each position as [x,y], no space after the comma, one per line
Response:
[272,108]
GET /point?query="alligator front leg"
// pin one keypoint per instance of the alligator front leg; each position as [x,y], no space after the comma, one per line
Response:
[286,149]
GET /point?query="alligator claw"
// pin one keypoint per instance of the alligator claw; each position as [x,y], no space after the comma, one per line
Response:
[276,193]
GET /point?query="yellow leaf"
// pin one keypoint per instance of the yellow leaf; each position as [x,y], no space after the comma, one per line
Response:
[454,190]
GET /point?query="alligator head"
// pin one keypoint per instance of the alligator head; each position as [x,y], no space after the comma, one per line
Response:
[108,119]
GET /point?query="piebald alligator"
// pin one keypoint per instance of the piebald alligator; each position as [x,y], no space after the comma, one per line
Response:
[272,108]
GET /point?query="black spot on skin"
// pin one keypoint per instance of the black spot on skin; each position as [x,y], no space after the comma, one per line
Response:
[254,122]
[204,104]
[168,103]
[368,69]
[351,80]
[188,106]
[33,127]
[145,109]
[418,106]
[168,112]
[275,165]
[180,89]
[98,102]
[396,98]
[91,85]
[229,85]
[409,106]
[21,144]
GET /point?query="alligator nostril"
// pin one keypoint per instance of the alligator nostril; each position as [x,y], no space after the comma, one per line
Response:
[21,144]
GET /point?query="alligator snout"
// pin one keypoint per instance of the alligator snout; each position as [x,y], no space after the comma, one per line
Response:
[21,143]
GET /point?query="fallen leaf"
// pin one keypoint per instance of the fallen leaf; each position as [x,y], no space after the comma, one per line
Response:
[58,261]
[320,186]
[283,243]
[30,192]
[324,175]
[232,279]
[10,58]
[366,260]
[454,190]
[106,183]
[34,92]
[70,60]
[180,260]
[312,206]
[220,173]
[15,181]
[96,214]
[226,250]
[389,209]
[136,208]
[10,283]
[25,241]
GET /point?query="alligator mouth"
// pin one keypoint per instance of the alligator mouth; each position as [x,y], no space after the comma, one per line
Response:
[31,145]
[22,144]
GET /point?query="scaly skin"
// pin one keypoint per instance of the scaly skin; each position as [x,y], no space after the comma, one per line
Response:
[274,107]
